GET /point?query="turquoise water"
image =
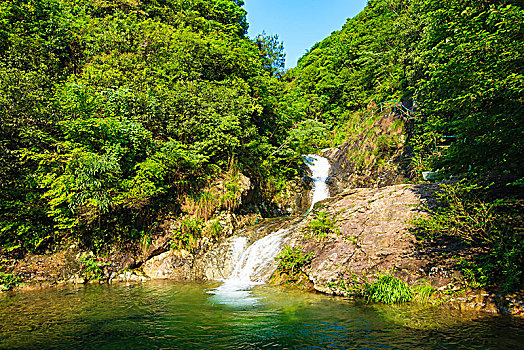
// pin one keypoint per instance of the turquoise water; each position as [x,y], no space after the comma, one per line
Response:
[170,315]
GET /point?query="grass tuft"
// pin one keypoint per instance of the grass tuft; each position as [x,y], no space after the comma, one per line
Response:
[388,290]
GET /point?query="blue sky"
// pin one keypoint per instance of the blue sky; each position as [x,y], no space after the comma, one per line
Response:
[299,23]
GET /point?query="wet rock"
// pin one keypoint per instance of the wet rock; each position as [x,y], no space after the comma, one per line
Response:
[294,199]
[376,237]
[129,276]
[157,246]
[77,280]
[485,302]
[219,261]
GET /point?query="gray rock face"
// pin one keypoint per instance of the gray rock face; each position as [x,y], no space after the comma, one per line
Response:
[218,262]
[374,235]
[169,265]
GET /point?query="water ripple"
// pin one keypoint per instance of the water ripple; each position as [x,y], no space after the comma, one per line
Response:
[168,315]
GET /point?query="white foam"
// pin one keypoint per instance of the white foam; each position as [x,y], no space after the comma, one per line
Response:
[319,167]
[254,264]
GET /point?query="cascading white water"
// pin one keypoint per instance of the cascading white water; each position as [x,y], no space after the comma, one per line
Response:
[255,262]
[319,167]
[250,267]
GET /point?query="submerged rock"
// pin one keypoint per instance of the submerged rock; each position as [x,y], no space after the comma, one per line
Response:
[129,276]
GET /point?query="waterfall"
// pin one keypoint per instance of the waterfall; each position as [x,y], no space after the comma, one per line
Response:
[319,167]
[250,267]
[256,262]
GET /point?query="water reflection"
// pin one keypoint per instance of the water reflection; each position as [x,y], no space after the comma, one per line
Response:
[167,315]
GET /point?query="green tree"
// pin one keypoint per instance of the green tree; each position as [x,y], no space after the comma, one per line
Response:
[472,88]
[271,52]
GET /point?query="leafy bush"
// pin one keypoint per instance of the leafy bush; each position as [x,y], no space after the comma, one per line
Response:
[291,260]
[461,214]
[422,292]
[8,281]
[466,213]
[385,143]
[187,233]
[91,267]
[214,229]
[355,285]
[222,194]
[386,289]
[308,136]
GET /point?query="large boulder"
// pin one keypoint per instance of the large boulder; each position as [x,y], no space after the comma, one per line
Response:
[374,236]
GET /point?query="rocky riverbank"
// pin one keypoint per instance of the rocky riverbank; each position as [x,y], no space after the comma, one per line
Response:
[371,235]
[155,257]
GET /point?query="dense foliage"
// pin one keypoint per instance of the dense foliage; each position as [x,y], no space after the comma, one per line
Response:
[113,112]
[385,288]
[460,63]
[453,73]
[321,226]
[470,214]
[388,289]
[117,116]
[291,261]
